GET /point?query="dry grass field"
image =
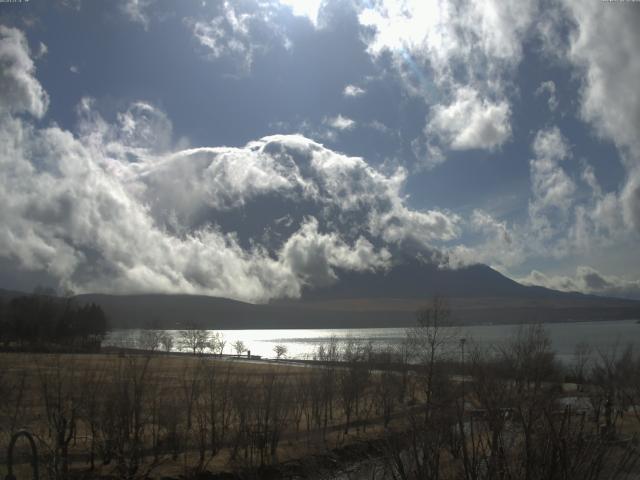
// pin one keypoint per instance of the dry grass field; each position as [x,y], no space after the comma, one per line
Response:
[150,415]
[176,414]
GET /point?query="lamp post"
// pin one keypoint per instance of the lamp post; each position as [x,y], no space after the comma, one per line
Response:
[462,343]
[465,453]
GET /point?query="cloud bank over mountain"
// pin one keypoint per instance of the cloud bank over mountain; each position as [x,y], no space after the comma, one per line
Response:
[274,145]
[116,209]
[586,280]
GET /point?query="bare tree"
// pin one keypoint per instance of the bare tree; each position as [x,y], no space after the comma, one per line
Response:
[241,401]
[194,339]
[126,419]
[13,390]
[280,351]
[300,400]
[166,340]
[403,354]
[582,358]
[217,400]
[61,405]
[190,382]
[387,393]
[217,343]
[528,364]
[504,417]
[430,341]
[149,340]
[239,347]
[324,391]
[353,379]
[420,453]
[92,388]
[611,374]
[520,430]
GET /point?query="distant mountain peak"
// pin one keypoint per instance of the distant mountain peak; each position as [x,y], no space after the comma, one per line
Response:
[418,279]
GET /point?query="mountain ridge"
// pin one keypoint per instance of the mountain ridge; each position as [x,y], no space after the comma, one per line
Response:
[477,294]
[413,280]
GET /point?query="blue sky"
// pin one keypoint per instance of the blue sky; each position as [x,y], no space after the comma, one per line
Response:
[249,149]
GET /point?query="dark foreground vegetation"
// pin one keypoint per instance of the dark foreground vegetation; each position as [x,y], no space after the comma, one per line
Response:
[45,322]
[437,408]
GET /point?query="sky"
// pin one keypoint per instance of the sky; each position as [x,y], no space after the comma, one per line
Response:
[250,149]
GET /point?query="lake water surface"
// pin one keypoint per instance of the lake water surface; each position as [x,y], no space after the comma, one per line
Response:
[302,343]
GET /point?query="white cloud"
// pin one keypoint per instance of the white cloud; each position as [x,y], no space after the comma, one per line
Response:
[239,32]
[478,36]
[340,122]
[93,230]
[90,229]
[21,92]
[460,58]
[351,194]
[471,122]
[313,256]
[551,186]
[136,11]
[400,224]
[630,198]
[564,218]
[550,144]
[427,153]
[305,8]
[380,127]
[353,91]
[226,35]
[586,280]
[603,46]
[553,195]
[549,88]
[42,51]
[139,132]
[113,208]
[143,125]
[500,246]
[74,69]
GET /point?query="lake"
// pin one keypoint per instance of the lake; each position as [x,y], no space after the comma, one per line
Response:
[301,343]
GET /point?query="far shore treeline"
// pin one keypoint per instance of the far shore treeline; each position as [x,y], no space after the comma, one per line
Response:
[44,322]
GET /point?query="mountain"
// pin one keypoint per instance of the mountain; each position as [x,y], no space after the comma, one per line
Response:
[7,295]
[477,294]
[415,280]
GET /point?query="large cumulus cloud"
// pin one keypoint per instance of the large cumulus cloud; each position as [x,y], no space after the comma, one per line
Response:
[118,207]
[469,123]
[344,191]
[21,92]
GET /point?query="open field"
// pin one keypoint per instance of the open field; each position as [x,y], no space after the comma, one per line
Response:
[182,412]
[509,415]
